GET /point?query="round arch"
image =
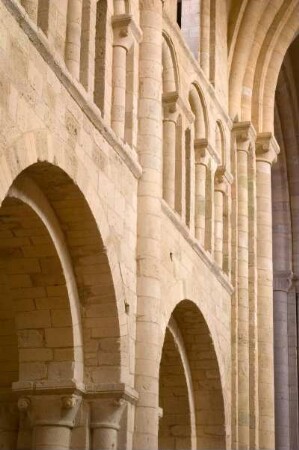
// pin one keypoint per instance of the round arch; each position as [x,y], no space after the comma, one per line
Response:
[256,56]
[200,111]
[202,376]
[59,168]
[171,80]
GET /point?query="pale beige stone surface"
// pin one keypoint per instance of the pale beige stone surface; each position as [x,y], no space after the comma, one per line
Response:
[149,224]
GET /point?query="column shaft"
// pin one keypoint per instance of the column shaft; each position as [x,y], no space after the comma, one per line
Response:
[169,142]
[148,337]
[205,37]
[118,112]
[104,439]
[265,306]
[218,241]
[73,37]
[200,201]
[281,359]
[48,437]
[243,300]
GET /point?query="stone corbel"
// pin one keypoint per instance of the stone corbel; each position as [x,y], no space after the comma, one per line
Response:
[221,182]
[125,31]
[204,152]
[170,106]
[266,148]
[245,136]
[283,280]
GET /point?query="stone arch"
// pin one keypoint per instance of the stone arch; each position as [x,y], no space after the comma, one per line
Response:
[24,153]
[259,37]
[170,66]
[202,374]
[220,142]
[267,72]
[199,109]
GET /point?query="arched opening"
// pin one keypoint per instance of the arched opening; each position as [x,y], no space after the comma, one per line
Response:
[190,378]
[285,206]
[174,425]
[58,310]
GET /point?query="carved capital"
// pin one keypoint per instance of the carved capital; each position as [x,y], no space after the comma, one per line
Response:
[125,31]
[51,410]
[107,412]
[245,136]
[266,148]
[282,281]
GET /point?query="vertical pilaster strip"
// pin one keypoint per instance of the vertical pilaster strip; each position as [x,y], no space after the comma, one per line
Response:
[282,282]
[201,167]
[219,196]
[124,31]
[88,36]
[169,153]
[148,337]
[266,153]
[205,37]
[73,37]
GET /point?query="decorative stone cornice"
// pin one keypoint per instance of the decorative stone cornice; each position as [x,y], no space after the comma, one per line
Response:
[245,135]
[204,151]
[266,148]
[125,31]
[282,280]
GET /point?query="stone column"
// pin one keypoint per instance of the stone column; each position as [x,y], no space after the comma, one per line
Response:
[52,418]
[244,138]
[201,163]
[169,148]
[73,37]
[205,37]
[105,420]
[31,8]
[282,283]
[220,189]
[266,153]
[148,333]
[124,30]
